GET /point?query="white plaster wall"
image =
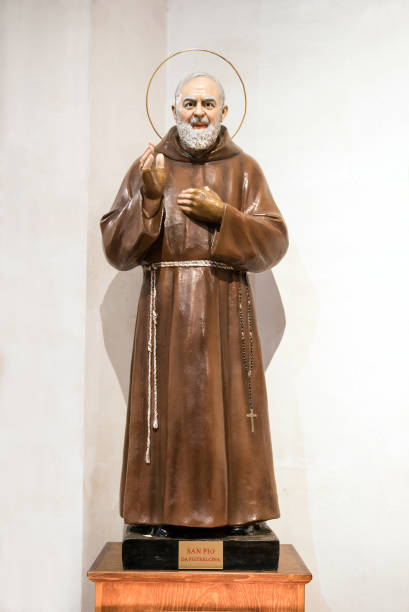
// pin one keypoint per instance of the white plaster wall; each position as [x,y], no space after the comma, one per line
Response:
[328,121]
[44,51]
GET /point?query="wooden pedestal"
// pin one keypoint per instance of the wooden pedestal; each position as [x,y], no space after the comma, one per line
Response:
[119,590]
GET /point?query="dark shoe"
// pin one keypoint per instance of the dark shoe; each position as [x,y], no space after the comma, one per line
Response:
[250,529]
[138,529]
[160,531]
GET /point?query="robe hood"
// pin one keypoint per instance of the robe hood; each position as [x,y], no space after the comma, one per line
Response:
[223,149]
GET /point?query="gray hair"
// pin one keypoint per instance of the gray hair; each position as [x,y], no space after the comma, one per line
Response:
[195,75]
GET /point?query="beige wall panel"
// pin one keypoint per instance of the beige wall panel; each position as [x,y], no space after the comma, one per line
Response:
[44,115]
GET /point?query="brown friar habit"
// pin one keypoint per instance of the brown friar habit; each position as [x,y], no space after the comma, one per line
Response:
[200,465]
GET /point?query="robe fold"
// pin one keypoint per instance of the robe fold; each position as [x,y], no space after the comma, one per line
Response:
[207,468]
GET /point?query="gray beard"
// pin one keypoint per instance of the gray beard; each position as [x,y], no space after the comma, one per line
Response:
[197,140]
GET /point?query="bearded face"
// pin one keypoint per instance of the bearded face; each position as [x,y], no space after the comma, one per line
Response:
[199,111]
[198,139]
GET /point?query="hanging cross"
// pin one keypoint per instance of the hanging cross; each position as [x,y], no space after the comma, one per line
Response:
[251,415]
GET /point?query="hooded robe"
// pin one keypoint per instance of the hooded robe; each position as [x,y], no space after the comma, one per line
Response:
[203,466]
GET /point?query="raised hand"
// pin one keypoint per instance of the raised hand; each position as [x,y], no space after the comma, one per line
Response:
[153,177]
[202,204]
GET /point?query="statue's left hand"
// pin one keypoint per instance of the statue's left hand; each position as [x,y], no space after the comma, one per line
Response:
[202,204]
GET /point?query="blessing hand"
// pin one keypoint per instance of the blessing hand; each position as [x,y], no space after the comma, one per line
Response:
[201,204]
[153,177]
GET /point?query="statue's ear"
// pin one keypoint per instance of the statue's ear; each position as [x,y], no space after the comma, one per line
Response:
[225,110]
[174,111]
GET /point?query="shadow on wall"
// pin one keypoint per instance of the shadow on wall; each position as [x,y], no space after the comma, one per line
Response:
[119,308]
[269,312]
[118,316]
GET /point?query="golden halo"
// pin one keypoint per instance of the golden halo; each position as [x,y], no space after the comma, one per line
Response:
[186,51]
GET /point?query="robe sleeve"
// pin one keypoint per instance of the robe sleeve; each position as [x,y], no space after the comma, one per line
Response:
[253,236]
[127,230]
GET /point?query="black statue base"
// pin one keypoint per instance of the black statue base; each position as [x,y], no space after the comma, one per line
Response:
[252,547]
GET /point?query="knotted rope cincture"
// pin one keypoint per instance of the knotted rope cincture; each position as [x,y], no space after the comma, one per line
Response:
[152,392]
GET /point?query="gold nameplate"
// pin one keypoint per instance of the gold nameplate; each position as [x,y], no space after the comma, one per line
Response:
[200,554]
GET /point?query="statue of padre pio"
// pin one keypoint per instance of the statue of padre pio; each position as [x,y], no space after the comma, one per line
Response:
[196,213]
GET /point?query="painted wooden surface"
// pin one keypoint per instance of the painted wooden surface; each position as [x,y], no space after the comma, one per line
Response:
[117,590]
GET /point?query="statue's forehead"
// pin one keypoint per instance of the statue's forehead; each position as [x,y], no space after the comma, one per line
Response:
[200,87]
